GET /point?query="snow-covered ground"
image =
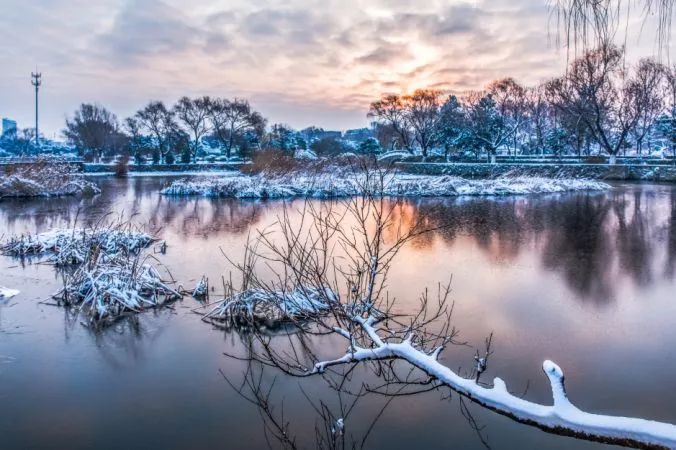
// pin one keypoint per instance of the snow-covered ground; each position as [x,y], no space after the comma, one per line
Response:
[340,184]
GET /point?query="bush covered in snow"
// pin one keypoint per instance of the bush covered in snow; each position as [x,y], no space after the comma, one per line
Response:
[45,177]
[343,184]
[104,289]
[105,271]
[75,246]
[271,308]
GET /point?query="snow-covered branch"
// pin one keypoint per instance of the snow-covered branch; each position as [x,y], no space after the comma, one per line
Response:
[562,417]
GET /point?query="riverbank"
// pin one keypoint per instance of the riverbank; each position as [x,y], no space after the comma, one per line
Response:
[608,172]
[92,168]
[470,170]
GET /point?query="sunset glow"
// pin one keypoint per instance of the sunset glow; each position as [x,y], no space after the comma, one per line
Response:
[302,62]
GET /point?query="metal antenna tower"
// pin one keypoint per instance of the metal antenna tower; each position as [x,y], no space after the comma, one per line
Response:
[36,80]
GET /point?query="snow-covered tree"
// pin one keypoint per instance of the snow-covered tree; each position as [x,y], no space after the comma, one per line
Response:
[159,121]
[232,119]
[93,131]
[193,115]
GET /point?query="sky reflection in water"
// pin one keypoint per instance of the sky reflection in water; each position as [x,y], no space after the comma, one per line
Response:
[585,279]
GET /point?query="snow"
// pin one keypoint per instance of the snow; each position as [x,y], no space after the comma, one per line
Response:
[106,289]
[202,288]
[111,276]
[261,305]
[73,246]
[6,293]
[562,415]
[340,184]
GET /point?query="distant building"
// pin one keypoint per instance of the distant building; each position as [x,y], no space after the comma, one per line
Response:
[358,135]
[312,134]
[8,127]
[331,135]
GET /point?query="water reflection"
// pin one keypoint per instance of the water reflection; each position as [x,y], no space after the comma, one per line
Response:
[532,269]
[591,240]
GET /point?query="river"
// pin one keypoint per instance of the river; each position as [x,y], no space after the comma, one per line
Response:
[584,279]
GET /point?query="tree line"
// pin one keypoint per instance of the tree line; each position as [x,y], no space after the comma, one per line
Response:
[162,133]
[598,105]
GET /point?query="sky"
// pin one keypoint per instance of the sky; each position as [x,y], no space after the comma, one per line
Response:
[299,62]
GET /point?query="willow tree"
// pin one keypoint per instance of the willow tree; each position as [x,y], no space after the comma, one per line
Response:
[595,22]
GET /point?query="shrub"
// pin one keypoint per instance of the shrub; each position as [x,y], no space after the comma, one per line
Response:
[122,166]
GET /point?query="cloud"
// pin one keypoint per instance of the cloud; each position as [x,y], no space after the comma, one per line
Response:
[145,28]
[298,60]
[384,54]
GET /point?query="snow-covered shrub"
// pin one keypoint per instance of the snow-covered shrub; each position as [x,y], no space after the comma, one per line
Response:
[271,308]
[103,289]
[75,246]
[44,178]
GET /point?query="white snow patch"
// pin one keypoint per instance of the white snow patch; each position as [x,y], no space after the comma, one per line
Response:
[327,185]
[6,293]
[106,289]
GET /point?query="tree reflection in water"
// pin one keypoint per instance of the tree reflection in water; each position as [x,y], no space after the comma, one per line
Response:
[589,239]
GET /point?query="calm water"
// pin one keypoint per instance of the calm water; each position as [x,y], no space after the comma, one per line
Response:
[586,280]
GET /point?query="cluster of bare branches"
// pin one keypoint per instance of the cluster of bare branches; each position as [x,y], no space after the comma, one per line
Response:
[346,248]
[586,23]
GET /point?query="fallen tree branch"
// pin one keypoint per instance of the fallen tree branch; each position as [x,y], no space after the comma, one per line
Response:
[562,417]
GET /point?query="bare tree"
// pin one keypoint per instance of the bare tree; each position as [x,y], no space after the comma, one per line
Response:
[539,119]
[596,91]
[156,119]
[390,110]
[422,113]
[510,103]
[193,114]
[94,129]
[231,119]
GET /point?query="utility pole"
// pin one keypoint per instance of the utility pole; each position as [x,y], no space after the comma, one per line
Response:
[36,80]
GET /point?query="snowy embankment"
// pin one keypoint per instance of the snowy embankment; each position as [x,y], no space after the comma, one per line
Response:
[45,178]
[261,306]
[328,185]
